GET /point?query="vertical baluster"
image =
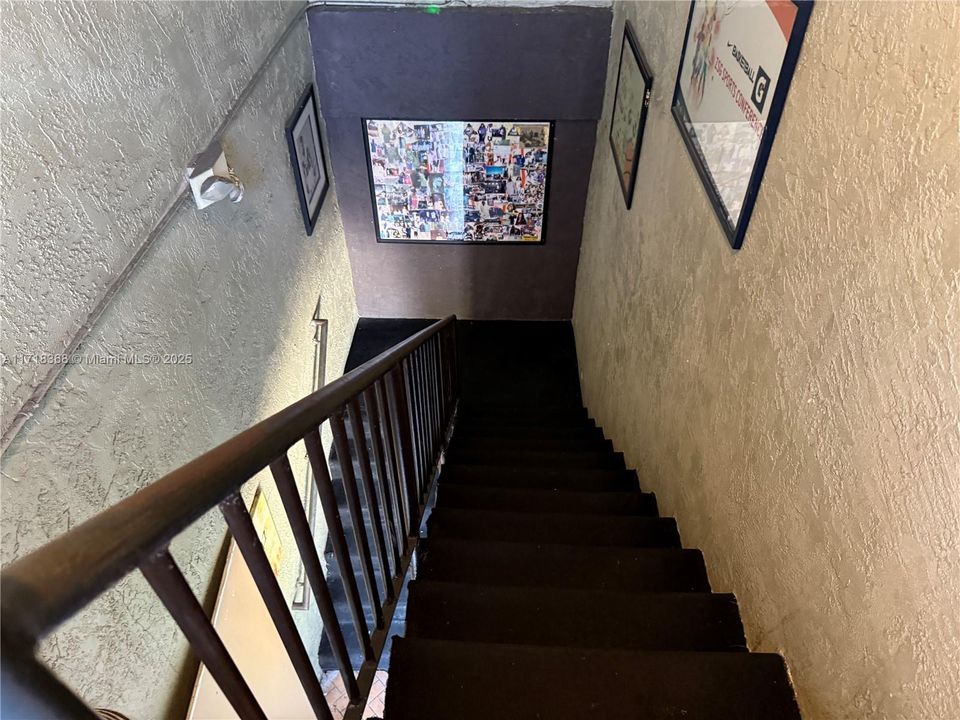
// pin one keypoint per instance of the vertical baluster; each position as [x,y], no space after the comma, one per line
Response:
[431,405]
[423,418]
[413,390]
[393,461]
[171,587]
[428,394]
[356,513]
[400,419]
[373,507]
[455,359]
[331,513]
[241,527]
[442,380]
[390,512]
[292,505]
[411,403]
[450,358]
[454,365]
[399,378]
[445,376]
[435,391]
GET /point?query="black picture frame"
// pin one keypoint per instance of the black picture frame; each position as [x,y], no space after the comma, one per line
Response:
[461,243]
[630,40]
[306,104]
[735,233]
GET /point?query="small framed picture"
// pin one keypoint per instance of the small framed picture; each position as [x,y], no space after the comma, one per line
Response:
[306,156]
[630,103]
[735,69]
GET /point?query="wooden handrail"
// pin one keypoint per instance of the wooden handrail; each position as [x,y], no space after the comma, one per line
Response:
[41,590]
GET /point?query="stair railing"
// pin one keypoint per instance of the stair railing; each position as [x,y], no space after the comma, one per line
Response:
[409,393]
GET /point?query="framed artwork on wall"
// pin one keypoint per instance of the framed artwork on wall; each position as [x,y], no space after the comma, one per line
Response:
[306,156]
[630,103]
[737,61]
[459,181]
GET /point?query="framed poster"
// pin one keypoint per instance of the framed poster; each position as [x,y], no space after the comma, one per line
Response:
[735,69]
[630,103]
[459,181]
[306,156]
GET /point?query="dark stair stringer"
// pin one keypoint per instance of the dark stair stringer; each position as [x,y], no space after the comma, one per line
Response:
[547,585]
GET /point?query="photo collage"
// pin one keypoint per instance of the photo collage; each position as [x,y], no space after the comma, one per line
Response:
[459,181]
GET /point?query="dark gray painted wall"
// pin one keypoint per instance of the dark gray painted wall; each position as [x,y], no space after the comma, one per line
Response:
[496,63]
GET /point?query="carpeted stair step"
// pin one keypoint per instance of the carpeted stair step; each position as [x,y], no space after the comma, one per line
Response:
[524,500]
[572,566]
[535,459]
[475,444]
[557,478]
[519,425]
[520,411]
[433,679]
[574,618]
[553,528]
[532,432]
[519,397]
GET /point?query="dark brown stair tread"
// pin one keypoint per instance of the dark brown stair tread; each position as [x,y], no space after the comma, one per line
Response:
[557,478]
[521,410]
[526,442]
[548,419]
[519,425]
[556,528]
[571,566]
[534,458]
[551,500]
[574,617]
[435,680]
[495,431]
[519,399]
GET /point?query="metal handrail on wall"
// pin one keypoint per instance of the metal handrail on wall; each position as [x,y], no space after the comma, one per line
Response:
[409,394]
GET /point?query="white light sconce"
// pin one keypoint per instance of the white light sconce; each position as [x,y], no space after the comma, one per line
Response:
[212,179]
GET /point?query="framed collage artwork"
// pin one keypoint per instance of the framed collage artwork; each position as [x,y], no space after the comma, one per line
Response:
[459,181]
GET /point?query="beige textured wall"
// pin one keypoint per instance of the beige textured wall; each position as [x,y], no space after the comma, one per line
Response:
[103,104]
[796,404]
[235,286]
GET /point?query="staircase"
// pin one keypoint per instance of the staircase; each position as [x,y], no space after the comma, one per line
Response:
[548,585]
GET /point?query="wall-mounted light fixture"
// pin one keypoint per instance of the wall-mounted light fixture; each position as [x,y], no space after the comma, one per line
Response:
[212,179]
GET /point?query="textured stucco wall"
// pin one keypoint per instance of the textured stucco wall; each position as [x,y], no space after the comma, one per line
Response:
[235,286]
[103,104]
[796,404]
